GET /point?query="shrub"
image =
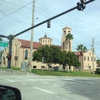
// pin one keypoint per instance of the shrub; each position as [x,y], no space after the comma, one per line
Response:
[97,71]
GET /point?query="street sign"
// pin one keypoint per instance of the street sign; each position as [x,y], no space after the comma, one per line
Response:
[3,44]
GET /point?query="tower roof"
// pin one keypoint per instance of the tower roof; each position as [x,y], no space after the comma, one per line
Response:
[66,28]
[45,36]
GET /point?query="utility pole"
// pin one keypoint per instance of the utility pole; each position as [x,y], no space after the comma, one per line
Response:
[93,54]
[32,34]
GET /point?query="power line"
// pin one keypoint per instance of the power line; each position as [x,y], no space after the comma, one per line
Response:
[16,4]
[15,11]
[20,21]
[59,20]
[75,29]
[15,19]
[2,2]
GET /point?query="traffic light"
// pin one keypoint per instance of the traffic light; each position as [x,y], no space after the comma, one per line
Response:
[81,5]
[49,24]
[9,57]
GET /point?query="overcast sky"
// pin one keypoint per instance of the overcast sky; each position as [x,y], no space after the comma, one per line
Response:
[16,15]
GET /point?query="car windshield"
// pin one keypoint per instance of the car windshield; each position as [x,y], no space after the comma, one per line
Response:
[49,49]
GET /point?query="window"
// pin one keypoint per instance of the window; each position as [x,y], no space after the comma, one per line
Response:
[45,40]
[48,41]
[84,58]
[94,59]
[90,53]
[88,58]
[63,45]
[64,32]
[34,66]
[91,59]
[89,67]
[26,54]
[42,66]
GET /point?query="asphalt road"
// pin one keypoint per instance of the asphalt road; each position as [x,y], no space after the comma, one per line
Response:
[35,87]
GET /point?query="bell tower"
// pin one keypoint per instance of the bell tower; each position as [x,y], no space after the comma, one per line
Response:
[64,42]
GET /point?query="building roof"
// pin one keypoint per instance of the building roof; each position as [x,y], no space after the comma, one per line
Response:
[78,53]
[57,46]
[26,44]
[66,28]
[45,37]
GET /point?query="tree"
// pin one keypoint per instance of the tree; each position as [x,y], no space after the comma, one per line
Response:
[72,60]
[82,49]
[98,63]
[69,37]
[50,54]
[1,52]
[0,39]
[63,59]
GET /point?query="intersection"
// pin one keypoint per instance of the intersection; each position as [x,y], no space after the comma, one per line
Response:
[53,87]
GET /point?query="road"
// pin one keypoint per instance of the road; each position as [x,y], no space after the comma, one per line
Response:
[35,87]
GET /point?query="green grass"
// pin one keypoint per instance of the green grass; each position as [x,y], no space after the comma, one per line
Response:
[63,73]
[12,67]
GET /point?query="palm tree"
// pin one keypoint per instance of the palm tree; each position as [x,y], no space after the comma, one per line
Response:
[0,39]
[82,49]
[69,37]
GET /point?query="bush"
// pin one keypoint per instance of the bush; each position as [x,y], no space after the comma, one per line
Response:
[97,71]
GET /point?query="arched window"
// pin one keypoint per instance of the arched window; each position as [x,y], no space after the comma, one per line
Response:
[26,54]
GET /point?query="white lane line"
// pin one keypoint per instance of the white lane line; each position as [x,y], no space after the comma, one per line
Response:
[31,79]
[56,85]
[45,82]
[72,82]
[89,82]
[67,79]
[23,84]
[86,82]
[27,79]
[10,80]
[44,90]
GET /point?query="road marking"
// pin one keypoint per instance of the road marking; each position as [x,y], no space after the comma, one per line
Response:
[45,82]
[23,84]
[72,82]
[56,85]
[32,79]
[86,82]
[10,80]
[44,90]
[27,79]
[67,79]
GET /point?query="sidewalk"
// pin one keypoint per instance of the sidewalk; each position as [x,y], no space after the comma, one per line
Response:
[15,72]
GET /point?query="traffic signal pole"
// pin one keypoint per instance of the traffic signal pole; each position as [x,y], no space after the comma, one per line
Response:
[10,37]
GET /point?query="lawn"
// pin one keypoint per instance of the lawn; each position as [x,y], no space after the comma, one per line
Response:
[12,67]
[63,73]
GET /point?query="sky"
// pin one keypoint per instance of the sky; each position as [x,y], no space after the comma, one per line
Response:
[16,16]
